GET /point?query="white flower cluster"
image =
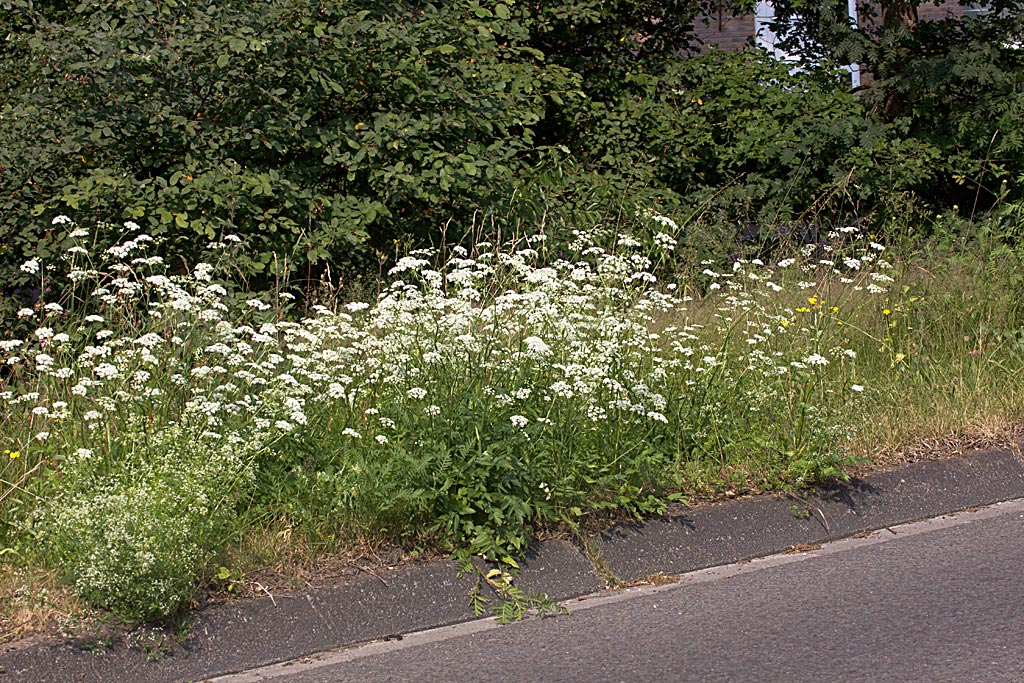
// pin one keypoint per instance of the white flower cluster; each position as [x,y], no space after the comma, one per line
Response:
[521,349]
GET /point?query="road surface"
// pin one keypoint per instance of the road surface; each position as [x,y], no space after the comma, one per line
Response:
[939,600]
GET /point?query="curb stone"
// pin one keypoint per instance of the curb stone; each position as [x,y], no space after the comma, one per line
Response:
[754,527]
[235,637]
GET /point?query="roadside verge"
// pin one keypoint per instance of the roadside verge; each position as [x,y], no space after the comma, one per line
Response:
[235,637]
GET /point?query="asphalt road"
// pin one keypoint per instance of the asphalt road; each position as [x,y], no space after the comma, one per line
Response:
[940,600]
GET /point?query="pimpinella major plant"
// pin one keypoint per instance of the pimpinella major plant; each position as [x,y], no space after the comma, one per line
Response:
[136,542]
[137,485]
[165,415]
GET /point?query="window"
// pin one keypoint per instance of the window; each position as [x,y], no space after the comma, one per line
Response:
[764,15]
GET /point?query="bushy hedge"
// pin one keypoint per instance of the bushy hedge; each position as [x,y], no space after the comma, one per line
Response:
[325,134]
[309,128]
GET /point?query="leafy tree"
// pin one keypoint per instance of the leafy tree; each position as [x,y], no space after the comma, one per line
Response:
[956,84]
[324,132]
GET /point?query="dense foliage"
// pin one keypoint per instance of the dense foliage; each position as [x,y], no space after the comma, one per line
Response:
[327,133]
[310,128]
[953,86]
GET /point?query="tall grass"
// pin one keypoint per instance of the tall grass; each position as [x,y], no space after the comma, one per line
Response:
[946,360]
[156,419]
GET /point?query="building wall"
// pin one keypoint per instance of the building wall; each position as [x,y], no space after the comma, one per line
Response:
[929,12]
[726,31]
[733,33]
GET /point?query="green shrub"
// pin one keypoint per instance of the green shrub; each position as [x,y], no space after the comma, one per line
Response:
[952,85]
[310,130]
[137,540]
[748,155]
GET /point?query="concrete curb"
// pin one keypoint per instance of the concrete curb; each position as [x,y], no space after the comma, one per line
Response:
[236,637]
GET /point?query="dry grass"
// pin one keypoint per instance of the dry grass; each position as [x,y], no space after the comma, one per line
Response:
[33,602]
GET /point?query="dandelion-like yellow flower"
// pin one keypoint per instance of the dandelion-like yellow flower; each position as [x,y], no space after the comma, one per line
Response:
[784,322]
[886,311]
[835,309]
[812,300]
[12,454]
[803,309]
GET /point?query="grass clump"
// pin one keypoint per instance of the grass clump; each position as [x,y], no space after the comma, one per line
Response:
[164,417]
